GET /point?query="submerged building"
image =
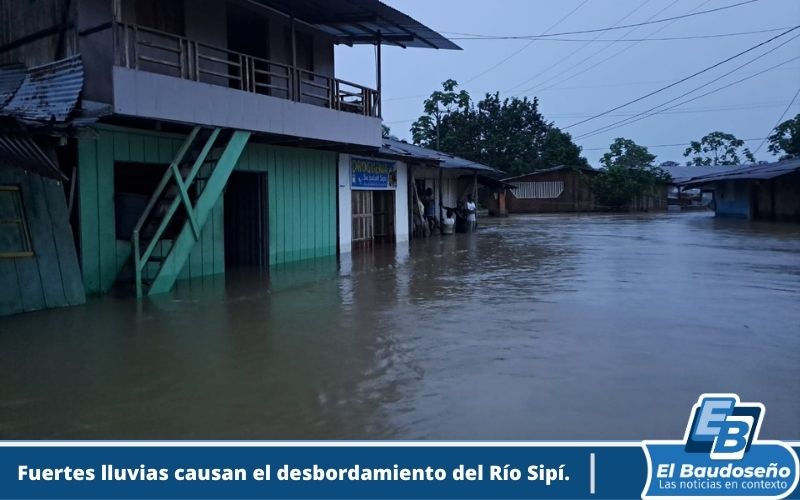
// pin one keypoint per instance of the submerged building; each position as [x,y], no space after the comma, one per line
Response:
[768,191]
[203,135]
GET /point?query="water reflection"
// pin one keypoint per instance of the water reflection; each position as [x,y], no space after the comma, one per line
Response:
[548,327]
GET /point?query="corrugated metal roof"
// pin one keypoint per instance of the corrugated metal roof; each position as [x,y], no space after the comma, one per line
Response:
[49,92]
[444,160]
[11,77]
[682,173]
[363,22]
[19,150]
[750,172]
[551,169]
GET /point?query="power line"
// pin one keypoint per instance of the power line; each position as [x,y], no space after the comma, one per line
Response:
[678,82]
[705,109]
[611,28]
[780,120]
[713,91]
[487,70]
[561,60]
[602,49]
[647,39]
[666,145]
[734,70]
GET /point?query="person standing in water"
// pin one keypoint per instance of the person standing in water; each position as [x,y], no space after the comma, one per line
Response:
[472,213]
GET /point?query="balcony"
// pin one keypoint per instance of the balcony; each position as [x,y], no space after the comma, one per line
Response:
[235,90]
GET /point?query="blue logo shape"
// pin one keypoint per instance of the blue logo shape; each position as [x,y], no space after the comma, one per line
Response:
[721,455]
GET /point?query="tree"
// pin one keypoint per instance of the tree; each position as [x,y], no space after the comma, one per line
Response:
[508,134]
[786,139]
[628,172]
[718,148]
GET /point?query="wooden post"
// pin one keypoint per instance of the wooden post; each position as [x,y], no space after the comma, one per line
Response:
[378,83]
[441,201]
[295,72]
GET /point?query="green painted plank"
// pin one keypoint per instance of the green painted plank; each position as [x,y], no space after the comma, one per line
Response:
[207,236]
[10,297]
[44,247]
[65,244]
[280,211]
[151,149]
[89,218]
[270,164]
[166,149]
[121,142]
[30,284]
[106,231]
[136,146]
[319,213]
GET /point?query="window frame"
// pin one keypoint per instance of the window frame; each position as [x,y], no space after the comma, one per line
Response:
[22,222]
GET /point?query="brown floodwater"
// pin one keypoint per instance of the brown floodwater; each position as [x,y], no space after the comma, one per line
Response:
[538,327]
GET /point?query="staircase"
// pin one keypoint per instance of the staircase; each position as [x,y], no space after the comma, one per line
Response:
[176,213]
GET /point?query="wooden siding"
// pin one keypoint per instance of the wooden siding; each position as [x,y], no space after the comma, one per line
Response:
[302,203]
[50,278]
[302,200]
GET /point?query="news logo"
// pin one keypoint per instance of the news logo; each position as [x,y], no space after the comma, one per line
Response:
[721,455]
[723,427]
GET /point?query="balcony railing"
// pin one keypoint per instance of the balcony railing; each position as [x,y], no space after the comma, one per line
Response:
[146,49]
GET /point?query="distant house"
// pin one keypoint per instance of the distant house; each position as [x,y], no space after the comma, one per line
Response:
[567,189]
[769,191]
[557,189]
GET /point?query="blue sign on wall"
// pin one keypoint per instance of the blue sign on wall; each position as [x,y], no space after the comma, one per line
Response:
[366,173]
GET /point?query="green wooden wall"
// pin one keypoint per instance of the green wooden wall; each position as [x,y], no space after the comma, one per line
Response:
[302,200]
[302,203]
[51,277]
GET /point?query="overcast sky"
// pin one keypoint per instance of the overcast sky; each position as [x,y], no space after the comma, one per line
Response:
[560,73]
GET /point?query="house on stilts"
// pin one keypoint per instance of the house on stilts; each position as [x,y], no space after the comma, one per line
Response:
[194,136]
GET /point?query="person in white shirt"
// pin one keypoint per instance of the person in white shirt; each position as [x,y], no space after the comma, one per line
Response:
[449,223]
[472,211]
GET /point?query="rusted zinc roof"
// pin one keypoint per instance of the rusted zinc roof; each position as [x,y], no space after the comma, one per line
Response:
[444,160]
[584,169]
[48,93]
[751,172]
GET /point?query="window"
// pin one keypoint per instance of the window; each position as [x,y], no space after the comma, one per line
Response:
[15,238]
[540,190]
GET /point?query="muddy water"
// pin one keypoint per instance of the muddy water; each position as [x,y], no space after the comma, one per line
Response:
[548,327]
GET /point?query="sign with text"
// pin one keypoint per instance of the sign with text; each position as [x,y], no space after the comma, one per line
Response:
[367,173]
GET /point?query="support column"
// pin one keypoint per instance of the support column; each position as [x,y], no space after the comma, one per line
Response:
[378,78]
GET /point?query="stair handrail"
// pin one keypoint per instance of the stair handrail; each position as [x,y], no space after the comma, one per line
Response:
[152,202]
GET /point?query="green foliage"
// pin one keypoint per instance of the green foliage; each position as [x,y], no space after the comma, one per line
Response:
[628,173]
[718,148]
[786,139]
[508,134]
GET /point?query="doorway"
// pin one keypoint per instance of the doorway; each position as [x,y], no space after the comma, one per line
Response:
[373,218]
[247,221]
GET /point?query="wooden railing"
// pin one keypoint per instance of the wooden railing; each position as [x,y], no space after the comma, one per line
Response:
[146,49]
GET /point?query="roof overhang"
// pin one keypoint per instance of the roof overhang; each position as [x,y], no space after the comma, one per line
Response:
[362,22]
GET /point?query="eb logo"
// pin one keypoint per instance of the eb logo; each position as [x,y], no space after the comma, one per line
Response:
[723,427]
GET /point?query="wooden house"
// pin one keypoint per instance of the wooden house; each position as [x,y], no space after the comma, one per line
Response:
[207,133]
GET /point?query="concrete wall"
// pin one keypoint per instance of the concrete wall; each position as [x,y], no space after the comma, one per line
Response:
[50,277]
[401,214]
[149,95]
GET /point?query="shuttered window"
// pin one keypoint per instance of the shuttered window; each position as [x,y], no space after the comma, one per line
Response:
[533,190]
[15,238]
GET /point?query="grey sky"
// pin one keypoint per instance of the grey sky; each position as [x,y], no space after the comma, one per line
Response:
[748,110]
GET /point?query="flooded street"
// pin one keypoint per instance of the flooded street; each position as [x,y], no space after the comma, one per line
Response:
[540,327]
